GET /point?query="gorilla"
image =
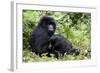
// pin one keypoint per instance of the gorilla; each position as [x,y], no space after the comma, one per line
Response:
[40,36]
[58,44]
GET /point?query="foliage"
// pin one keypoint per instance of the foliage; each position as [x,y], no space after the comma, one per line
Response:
[74,26]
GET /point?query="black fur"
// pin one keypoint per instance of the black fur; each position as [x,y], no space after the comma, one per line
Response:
[58,43]
[41,35]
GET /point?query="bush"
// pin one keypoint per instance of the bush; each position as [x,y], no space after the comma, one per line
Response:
[74,26]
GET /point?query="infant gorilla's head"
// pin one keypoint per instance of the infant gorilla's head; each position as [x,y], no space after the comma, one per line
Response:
[48,23]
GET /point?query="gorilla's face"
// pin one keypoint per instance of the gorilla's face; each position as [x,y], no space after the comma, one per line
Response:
[48,23]
[50,28]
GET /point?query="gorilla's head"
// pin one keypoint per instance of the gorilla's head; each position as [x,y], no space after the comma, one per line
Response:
[48,23]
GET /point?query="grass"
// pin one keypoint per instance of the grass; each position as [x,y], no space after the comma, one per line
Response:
[29,57]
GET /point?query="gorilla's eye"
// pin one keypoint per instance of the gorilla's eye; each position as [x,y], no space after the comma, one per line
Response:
[50,27]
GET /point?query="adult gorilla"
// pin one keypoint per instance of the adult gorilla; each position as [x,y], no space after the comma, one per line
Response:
[40,36]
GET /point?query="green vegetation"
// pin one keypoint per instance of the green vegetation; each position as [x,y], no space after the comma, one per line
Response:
[74,26]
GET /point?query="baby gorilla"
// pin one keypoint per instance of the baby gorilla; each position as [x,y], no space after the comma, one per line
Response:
[40,36]
[58,44]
